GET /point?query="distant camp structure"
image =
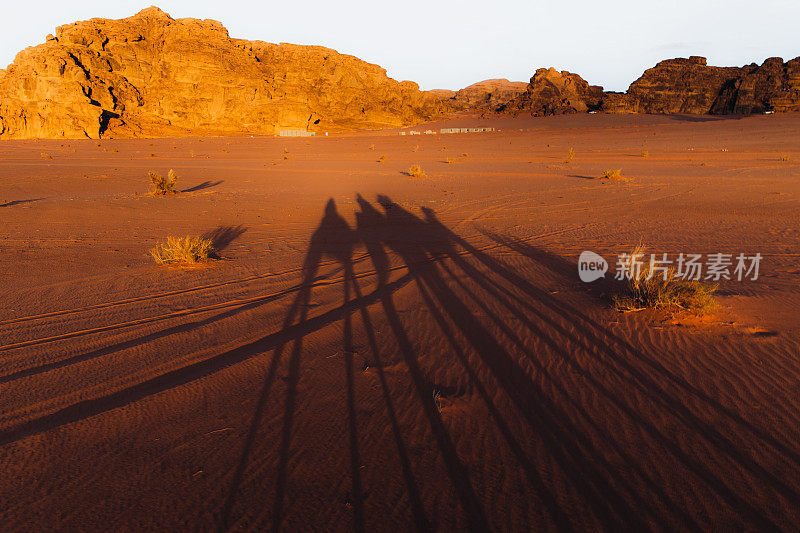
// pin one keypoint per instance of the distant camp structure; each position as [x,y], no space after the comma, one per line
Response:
[465,130]
[296,133]
[447,130]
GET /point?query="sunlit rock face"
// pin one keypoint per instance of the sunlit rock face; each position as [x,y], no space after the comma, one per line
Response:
[151,75]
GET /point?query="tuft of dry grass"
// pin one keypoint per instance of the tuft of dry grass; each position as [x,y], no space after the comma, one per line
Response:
[450,160]
[161,185]
[46,156]
[613,174]
[189,250]
[653,288]
[381,159]
[645,153]
[784,157]
[415,149]
[465,154]
[570,154]
[437,400]
[416,172]
[371,146]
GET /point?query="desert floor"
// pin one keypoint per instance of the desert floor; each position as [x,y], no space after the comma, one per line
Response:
[373,351]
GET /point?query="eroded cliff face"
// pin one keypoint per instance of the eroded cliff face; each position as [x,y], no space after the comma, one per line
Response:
[151,75]
[691,86]
[551,92]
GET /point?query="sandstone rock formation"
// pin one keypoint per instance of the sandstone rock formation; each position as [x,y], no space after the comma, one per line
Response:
[487,95]
[551,92]
[151,75]
[691,86]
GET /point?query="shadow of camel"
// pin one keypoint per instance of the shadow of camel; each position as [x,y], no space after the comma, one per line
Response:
[513,342]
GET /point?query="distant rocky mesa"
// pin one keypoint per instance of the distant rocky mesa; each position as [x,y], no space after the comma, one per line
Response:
[484,96]
[672,86]
[151,75]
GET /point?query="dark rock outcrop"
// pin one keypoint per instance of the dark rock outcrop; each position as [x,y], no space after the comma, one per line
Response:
[551,92]
[151,75]
[691,86]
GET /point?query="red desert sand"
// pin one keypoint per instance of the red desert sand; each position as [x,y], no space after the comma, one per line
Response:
[373,351]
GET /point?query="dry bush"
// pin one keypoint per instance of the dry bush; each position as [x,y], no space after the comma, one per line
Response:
[416,148]
[659,290]
[371,146]
[784,157]
[465,154]
[161,185]
[613,174]
[570,154]
[645,153]
[416,172]
[187,250]
[46,156]
[381,159]
[450,160]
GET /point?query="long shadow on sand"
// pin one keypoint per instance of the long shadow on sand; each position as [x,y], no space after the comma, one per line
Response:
[473,298]
[18,202]
[205,185]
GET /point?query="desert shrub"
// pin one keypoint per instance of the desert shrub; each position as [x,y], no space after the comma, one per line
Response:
[381,159]
[416,148]
[416,172]
[651,289]
[46,156]
[645,153]
[465,154]
[450,160]
[784,157]
[161,185]
[371,146]
[614,174]
[570,154]
[187,250]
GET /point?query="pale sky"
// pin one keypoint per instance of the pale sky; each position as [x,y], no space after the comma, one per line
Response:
[445,44]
